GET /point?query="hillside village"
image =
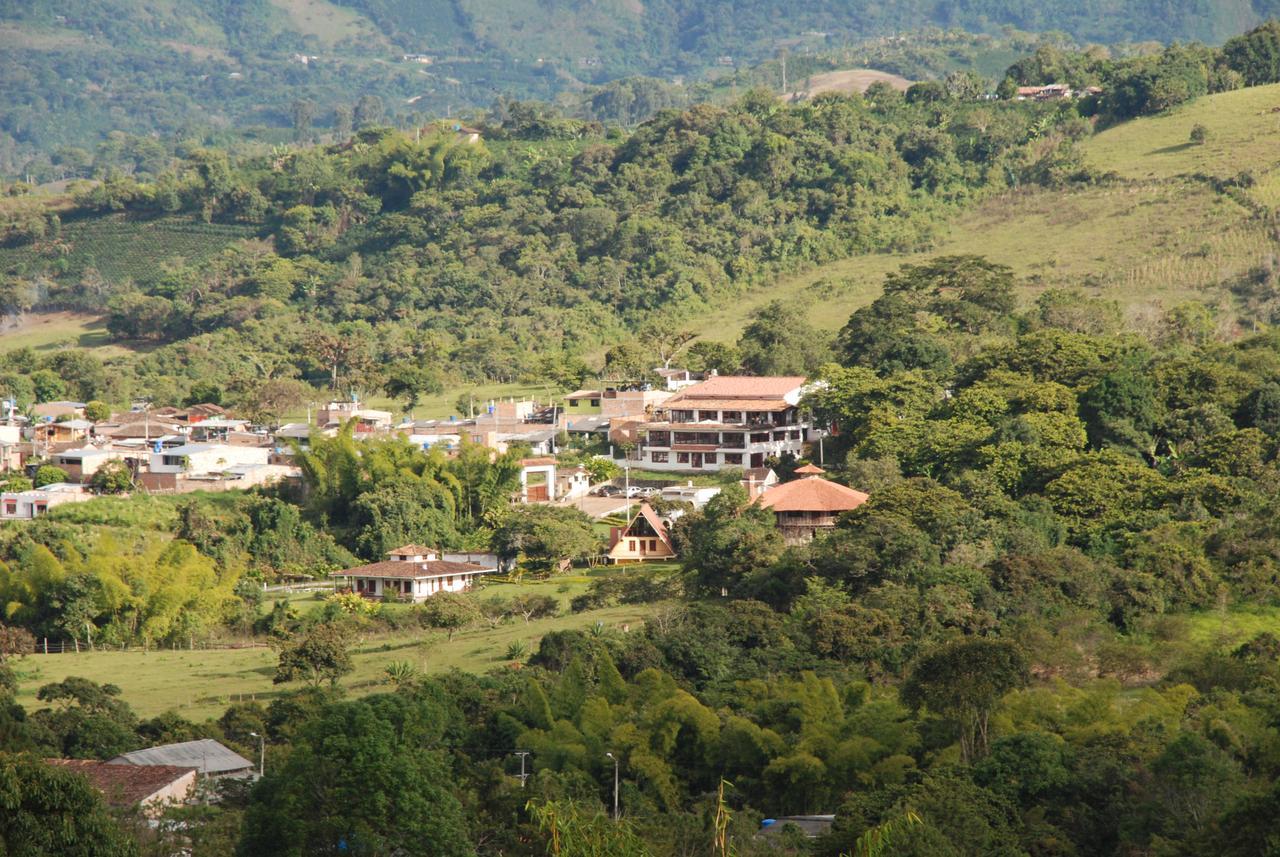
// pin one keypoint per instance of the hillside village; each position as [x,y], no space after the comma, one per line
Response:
[863,474]
[691,426]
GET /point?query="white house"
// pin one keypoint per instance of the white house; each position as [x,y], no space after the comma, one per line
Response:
[81,464]
[25,505]
[413,572]
[204,458]
[697,495]
[367,419]
[725,421]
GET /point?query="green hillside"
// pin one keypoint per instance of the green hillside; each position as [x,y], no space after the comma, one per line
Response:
[1162,234]
[72,73]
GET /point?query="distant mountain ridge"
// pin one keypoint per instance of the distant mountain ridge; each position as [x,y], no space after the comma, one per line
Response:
[73,70]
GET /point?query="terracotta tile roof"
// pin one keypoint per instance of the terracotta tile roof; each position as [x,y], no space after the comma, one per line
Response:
[122,784]
[410,570]
[810,470]
[811,494]
[740,387]
[776,403]
[537,462]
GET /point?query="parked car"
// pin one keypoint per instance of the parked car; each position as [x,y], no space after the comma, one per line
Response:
[609,491]
[636,491]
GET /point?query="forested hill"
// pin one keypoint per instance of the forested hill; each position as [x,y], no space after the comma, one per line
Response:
[519,254]
[71,72]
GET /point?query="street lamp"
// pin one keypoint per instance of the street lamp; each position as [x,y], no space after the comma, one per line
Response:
[615,785]
[262,754]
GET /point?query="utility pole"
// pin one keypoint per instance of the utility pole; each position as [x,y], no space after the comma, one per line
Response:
[523,754]
[616,816]
[262,754]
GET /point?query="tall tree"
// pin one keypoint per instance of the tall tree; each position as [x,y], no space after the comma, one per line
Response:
[964,681]
[49,810]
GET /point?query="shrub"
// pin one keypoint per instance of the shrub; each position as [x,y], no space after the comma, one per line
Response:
[1199,134]
[48,475]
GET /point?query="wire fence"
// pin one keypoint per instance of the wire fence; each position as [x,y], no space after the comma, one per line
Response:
[45,646]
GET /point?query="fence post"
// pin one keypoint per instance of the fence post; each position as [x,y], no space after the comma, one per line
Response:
[46,645]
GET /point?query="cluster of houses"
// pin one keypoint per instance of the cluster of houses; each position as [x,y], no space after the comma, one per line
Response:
[686,425]
[166,450]
[1055,92]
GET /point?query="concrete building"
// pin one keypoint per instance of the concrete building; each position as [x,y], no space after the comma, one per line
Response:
[25,505]
[80,464]
[538,480]
[207,458]
[123,786]
[696,495]
[725,421]
[13,449]
[367,419]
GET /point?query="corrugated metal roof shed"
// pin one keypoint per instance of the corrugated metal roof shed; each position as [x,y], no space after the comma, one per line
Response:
[205,755]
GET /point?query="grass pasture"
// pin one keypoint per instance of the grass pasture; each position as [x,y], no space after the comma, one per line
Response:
[1149,244]
[1242,128]
[49,331]
[1159,238]
[201,683]
[328,22]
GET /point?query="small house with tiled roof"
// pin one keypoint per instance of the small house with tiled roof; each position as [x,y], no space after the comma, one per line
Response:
[809,505]
[412,572]
[644,538]
[124,786]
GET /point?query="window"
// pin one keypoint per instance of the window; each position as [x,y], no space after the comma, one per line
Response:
[733,458]
[682,458]
[704,438]
[659,438]
[659,457]
[731,417]
[631,544]
[39,509]
[11,507]
[709,458]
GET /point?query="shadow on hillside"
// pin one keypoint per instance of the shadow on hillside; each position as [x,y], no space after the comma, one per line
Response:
[1172,150]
